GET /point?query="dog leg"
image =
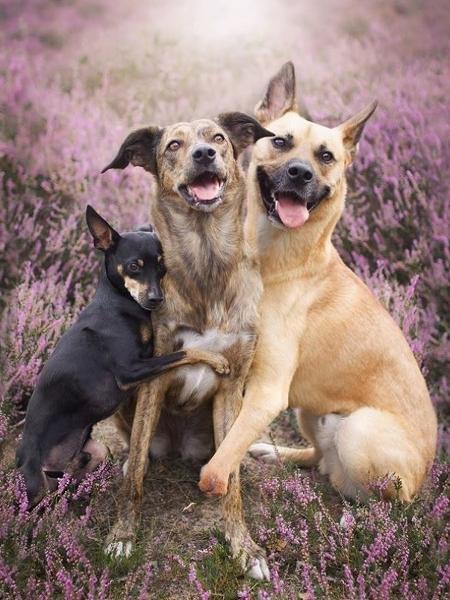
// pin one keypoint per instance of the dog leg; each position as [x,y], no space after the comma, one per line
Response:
[148,369]
[304,457]
[148,408]
[252,558]
[265,397]
[369,444]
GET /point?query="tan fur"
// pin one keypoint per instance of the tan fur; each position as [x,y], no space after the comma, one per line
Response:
[326,345]
[212,290]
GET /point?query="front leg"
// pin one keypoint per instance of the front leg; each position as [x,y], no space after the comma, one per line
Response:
[226,407]
[152,367]
[266,395]
[148,409]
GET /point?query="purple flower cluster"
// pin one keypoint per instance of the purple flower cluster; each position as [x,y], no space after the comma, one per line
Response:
[75,78]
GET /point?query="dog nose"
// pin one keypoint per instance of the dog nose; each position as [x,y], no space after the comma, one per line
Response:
[155,298]
[204,154]
[300,172]
[155,302]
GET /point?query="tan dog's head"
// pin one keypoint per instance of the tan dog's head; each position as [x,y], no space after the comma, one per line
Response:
[194,163]
[303,166]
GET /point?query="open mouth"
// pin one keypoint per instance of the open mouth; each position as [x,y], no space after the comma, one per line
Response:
[286,207]
[205,192]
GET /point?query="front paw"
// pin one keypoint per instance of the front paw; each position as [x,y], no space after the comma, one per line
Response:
[221,365]
[120,541]
[212,482]
[119,549]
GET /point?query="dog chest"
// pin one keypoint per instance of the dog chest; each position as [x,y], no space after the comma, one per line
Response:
[195,384]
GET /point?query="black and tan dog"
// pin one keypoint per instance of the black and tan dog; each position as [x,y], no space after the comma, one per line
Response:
[326,345]
[212,289]
[99,360]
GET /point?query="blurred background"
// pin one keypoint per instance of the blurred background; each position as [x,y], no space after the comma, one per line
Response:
[77,75]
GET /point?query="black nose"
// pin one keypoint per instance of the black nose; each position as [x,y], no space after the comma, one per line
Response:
[300,172]
[155,302]
[204,154]
[155,298]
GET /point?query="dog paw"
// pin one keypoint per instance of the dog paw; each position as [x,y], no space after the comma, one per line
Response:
[264,452]
[212,483]
[258,569]
[252,558]
[119,549]
[222,366]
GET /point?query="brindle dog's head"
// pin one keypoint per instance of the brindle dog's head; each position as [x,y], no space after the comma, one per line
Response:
[194,163]
[303,165]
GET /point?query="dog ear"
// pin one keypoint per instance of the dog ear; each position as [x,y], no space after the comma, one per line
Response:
[139,149]
[242,129]
[105,237]
[351,130]
[279,97]
[146,228]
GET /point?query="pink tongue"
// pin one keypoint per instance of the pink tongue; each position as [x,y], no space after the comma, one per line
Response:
[207,190]
[291,213]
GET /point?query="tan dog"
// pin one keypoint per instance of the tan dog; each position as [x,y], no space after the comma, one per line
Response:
[212,290]
[326,345]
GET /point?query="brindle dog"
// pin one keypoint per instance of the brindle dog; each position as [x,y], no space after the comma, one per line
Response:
[212,289]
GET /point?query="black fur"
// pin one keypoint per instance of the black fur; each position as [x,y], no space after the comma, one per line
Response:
[97,361]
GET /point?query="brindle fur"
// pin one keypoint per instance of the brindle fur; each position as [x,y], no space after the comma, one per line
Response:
[212,284]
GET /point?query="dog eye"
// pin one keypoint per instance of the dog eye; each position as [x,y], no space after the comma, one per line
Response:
[174,145]
[133,267]
[326,156]
[219,138]
[278,142]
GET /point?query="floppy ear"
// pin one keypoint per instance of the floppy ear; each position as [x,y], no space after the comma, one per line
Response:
[279,97]
[242,129]
[105,237]
[352,129]
[139,149]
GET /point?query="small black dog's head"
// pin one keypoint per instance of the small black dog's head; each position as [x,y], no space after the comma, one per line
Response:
[133,260]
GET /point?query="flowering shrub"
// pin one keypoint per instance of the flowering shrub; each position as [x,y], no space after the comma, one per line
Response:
[75,77]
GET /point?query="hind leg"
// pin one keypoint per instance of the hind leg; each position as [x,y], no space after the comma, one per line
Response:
[366,445]
[305,457]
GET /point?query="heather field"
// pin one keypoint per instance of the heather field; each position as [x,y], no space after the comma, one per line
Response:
[75,77]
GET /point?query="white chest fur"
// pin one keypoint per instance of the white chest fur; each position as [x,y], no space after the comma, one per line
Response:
[200,381]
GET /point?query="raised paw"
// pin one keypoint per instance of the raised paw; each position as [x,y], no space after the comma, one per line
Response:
[212,483]
[221,365]
[264,452]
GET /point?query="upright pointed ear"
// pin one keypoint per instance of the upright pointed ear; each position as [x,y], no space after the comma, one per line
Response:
[279,97]
[105,237]
[242,130]
[352,129]
[139,149]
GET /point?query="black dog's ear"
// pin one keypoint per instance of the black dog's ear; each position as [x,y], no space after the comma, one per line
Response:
[242,129]
[279,97]
[105,237]
[139,149]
